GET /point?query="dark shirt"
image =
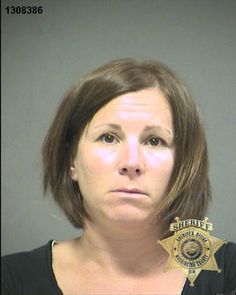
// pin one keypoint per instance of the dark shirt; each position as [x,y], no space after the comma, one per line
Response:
[31,273]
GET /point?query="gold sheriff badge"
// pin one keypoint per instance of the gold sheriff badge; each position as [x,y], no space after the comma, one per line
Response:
[191,248]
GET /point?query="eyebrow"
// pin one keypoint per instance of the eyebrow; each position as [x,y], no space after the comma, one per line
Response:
[113,126]
[147,128]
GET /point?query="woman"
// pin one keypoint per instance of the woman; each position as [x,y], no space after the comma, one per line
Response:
[125,154]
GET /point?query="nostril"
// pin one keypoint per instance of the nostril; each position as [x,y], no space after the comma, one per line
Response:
[138,171]
[124,170]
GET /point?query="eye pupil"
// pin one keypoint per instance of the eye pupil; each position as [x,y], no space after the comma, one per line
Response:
[109,138]
[154,141]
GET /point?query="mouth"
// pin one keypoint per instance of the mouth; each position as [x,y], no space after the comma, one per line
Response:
[130,191]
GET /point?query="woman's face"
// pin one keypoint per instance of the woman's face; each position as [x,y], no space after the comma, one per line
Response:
[125,158]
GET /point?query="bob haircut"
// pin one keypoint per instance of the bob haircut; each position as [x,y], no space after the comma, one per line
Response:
[188,193]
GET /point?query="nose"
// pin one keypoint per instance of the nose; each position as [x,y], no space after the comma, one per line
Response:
[131,161]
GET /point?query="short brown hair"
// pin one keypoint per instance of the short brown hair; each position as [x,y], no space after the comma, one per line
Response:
[189,191]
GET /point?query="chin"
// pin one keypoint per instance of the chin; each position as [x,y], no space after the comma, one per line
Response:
[129,217]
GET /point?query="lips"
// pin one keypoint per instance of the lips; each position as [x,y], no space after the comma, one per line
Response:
[130,191]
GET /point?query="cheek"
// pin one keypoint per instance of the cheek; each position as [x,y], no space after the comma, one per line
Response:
[94,167]
[162,163]
[96,162]
[103,158]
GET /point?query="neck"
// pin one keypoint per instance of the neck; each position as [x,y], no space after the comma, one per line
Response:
[133,251]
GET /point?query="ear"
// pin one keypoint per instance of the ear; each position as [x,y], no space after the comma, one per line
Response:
[73,172]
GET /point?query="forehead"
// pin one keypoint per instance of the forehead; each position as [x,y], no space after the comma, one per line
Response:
[148,105]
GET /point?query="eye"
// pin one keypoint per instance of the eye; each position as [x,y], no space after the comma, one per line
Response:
[154,141]
[108,138]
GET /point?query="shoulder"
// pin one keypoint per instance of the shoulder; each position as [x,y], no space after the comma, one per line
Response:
[228,250]
[226,259]
[29,271]
[226,255]
[27,261]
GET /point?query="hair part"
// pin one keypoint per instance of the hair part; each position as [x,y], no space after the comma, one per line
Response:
[189,190]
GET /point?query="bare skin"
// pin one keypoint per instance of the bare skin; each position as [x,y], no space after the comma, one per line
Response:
[123,165]
[81,266]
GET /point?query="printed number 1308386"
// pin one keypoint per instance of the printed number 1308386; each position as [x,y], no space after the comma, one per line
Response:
[24,9]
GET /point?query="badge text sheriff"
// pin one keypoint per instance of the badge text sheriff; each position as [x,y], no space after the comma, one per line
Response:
[191,222]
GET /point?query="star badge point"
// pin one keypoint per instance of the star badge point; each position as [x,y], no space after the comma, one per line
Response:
[191,248]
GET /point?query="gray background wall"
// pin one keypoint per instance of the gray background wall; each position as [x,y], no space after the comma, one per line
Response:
[43,55]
